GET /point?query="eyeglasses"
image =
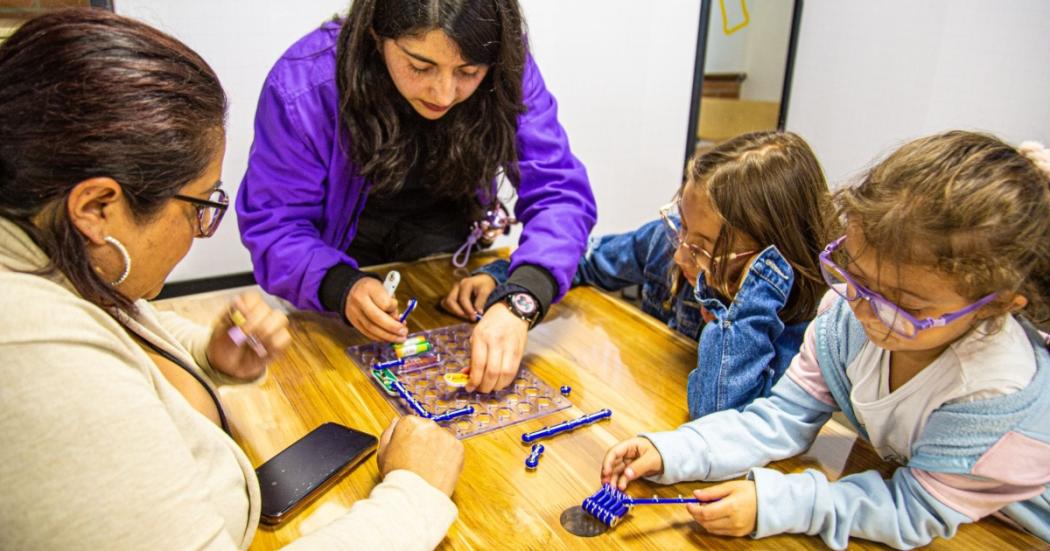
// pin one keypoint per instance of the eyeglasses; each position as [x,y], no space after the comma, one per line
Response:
[668,214]
[209,211]
[891,315]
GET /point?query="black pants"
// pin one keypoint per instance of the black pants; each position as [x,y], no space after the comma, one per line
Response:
[385,237]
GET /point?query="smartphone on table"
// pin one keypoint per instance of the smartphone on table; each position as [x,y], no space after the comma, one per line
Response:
[302,471]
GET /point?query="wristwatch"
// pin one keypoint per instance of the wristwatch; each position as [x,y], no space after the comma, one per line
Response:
[524,305]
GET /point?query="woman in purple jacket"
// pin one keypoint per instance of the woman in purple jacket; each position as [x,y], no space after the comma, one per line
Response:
[382,138]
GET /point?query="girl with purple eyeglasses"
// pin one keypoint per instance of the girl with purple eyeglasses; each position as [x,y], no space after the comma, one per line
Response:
[925,344]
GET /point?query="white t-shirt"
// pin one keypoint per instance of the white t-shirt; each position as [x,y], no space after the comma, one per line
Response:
[974,367]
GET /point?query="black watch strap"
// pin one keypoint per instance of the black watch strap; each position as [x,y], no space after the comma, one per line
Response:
[500,294]
[525,306]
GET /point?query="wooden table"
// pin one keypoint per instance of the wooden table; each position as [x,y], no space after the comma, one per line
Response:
[611,354]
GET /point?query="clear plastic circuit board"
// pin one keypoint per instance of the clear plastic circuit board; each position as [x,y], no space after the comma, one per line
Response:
[528,397]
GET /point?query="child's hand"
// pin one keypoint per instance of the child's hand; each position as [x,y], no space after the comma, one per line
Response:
[630,460]
[267,326]
[468,296]
[735,512]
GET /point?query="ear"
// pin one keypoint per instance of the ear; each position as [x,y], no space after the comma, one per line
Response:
[1010,303]
[1017,304]
[92,207]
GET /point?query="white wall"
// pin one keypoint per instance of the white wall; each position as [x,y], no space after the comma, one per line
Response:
[871,75]
[241,40]
[620,69]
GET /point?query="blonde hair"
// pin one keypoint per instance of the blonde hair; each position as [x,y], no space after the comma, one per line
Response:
[965,204]
[770,187]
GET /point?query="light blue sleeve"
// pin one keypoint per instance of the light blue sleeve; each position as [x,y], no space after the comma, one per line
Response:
[898,512]
[728,443]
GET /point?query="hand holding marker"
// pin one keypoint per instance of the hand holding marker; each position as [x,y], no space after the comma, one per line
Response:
[239,337]
[393,278]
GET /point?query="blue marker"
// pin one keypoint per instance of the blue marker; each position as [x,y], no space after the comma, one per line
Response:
[408,310]
[565,390]
[566,426]
[534,458]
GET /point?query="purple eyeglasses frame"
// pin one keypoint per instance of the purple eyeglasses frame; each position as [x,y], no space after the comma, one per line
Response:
[875,300]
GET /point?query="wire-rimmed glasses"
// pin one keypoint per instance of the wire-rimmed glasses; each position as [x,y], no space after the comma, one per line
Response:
[668,214]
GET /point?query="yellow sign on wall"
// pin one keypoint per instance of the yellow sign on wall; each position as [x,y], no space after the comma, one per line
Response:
[740,20]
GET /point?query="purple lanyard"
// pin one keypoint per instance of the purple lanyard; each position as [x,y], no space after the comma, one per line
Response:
[497,222]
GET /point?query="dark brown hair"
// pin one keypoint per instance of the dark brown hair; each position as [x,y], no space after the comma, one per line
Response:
[770,187]
[86,93]
[460,153]
[968,206]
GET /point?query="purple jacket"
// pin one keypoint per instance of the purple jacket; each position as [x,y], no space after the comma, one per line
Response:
[298,207]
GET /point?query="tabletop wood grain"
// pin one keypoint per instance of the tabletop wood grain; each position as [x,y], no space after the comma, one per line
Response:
[611,354]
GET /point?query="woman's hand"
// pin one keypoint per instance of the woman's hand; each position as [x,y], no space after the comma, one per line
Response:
[496,346]
[373,312]
[421,446]
[267,326]
[630,460]
[467,297]
[734,514]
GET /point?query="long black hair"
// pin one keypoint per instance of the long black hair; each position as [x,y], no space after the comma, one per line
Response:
[474,142]
[85,93]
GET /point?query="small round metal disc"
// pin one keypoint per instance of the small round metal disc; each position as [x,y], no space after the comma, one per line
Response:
[581,523]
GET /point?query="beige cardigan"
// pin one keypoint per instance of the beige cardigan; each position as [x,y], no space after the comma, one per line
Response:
[99,451]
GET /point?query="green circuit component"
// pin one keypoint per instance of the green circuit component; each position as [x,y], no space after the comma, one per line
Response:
[386,379]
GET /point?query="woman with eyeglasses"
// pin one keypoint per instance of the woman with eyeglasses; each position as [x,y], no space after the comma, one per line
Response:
[731,262]
[924,345]
[111,145]
[384,137]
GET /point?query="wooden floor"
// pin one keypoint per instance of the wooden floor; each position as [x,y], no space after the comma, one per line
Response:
[611,354]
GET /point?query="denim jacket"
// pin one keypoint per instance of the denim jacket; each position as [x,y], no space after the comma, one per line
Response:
[741,353]
[642,257]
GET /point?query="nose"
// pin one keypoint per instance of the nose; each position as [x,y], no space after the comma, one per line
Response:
[444,89]
[862,309]
[682,259]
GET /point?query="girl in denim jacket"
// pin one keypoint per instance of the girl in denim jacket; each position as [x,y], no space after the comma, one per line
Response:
[744,229]
[922,346]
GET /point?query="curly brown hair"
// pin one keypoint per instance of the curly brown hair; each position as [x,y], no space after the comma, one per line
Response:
[966,205]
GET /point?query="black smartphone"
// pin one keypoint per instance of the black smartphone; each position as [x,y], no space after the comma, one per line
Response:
[302,471]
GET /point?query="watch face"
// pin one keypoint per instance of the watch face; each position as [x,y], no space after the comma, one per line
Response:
[524,303]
